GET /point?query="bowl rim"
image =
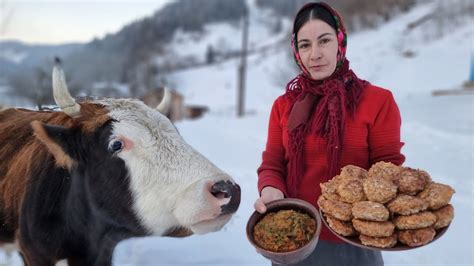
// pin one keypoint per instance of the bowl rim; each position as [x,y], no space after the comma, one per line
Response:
[275,204]
[354,240]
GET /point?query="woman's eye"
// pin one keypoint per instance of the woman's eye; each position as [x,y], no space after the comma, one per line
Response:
[115,146]
[324,41]
[302,46]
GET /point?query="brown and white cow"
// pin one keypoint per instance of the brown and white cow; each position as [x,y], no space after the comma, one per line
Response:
[75,183]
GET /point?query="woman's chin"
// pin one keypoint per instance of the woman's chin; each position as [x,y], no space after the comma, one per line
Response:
[319,75]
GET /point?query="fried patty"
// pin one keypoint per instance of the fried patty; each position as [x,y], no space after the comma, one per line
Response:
[417,237]
[329,189]
[425,176]
[410,181]
[337,209]
[380,242]
[371,211]
[374,229]
[444,216]
[438,195]
[341,227]
[379,189]
[351,190]
[385,170]
[406,205]
[352,171]
[415,221]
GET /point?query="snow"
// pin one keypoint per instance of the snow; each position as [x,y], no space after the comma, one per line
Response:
[191,47]
[120,89]
[438,63]
[12,55]
[9,99]
[438,133]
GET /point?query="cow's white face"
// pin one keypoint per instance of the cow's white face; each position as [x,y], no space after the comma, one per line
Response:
[172,185]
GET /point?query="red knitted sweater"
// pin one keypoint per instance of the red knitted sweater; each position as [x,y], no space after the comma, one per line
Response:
[372,135]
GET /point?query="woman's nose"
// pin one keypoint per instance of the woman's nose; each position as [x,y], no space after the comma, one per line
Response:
[315,53]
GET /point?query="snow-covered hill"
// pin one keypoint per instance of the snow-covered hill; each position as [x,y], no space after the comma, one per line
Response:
[15,54]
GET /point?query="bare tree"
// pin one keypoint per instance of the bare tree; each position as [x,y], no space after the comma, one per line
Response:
[34,85]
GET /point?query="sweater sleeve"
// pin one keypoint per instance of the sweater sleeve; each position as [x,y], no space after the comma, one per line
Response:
[272,172]
[384,134]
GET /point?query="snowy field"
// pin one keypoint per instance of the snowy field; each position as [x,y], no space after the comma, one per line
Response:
[438,133]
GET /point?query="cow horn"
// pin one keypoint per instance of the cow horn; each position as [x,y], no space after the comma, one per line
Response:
[61,93]
[164,105]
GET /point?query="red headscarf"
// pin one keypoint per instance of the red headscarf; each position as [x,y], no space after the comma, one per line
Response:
[320,106]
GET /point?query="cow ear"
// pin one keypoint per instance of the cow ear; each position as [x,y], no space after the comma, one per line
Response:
[58,140]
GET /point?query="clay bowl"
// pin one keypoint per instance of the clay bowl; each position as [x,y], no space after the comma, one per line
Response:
[354,240]
[293,256]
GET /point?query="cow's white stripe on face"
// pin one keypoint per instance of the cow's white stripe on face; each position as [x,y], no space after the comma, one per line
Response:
[169,180]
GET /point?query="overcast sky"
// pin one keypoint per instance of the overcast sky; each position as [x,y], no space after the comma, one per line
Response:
[63,21]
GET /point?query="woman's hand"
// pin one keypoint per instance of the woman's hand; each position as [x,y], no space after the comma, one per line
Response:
[268,194]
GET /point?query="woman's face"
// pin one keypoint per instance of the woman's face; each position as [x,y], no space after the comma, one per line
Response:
[317,46]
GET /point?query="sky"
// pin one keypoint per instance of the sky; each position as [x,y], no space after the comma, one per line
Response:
[65,21]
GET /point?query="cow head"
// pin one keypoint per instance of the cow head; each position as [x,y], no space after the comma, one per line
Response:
[134,168]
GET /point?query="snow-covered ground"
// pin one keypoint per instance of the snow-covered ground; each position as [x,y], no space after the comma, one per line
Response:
[438,133]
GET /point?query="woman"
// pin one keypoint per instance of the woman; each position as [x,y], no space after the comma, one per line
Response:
[326,119]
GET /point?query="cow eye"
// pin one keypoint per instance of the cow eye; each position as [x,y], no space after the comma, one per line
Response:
[115,146]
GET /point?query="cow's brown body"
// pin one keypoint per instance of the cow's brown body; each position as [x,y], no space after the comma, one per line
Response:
[22,155]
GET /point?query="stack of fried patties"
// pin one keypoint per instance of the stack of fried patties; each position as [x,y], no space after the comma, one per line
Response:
[386,204]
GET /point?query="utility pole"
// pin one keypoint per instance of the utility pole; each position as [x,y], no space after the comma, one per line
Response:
[6,14]
[243,66]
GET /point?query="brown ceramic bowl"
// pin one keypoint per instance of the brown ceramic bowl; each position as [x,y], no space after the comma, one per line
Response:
[293,256]
[354,240]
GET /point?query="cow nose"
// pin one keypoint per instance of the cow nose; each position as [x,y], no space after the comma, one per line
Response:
[227,189]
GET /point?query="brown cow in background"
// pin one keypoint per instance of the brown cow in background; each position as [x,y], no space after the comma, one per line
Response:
[173,102]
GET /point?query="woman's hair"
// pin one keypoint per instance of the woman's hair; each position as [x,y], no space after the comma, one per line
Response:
[313,11]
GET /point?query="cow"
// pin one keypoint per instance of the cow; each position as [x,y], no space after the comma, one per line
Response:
[76,182]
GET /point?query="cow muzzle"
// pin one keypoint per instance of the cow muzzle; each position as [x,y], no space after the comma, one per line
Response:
[227,189]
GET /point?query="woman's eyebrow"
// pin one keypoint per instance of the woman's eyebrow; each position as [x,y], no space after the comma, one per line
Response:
[324,34]
[319,37]
[303,40]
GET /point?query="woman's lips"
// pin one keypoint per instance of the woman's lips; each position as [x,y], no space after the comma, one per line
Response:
[317,68]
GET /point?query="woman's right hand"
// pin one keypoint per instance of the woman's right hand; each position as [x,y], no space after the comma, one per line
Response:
[268,194]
